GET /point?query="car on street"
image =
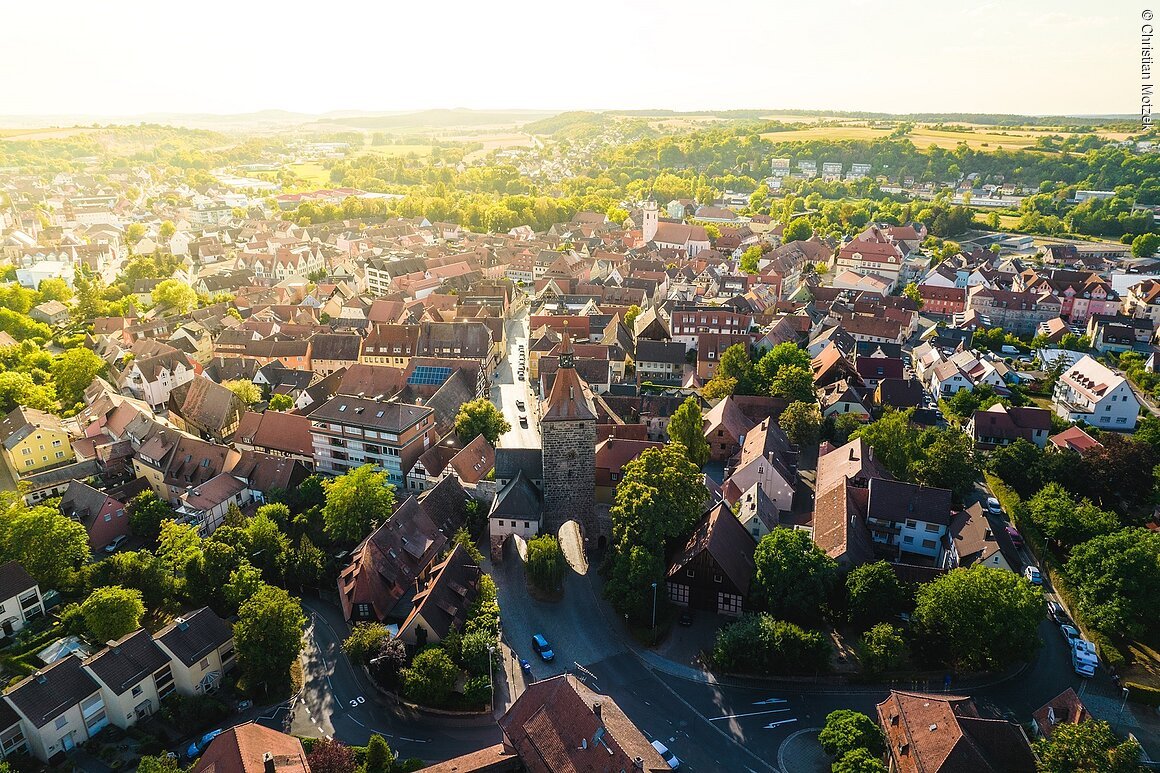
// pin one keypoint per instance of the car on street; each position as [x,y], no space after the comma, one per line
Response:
[1032,575]
[542,648]
[520,405]
[666,755]
[521,375]
[1069,633]
[1016,537]
[198,746]
[526,667]
[524,420]
[1056,612]
[993,506]
[116,544]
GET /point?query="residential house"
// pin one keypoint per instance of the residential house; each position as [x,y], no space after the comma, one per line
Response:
[330,352]
[518,508]
[972,540]
[687,323]
[277,434]
[102,516]
[559,724]
[134,675]
[349,432]
[612,454]
[840,398]
[1142,300]
[899,393]
[907,518]
[200,648]
[50,313]
[767,461]
[1074,439]
[208,409]
[942,301]
[1064,709]
[60,707]
[714,569]
[725,424]
[1001,426]
[940,733]
[20,599]
[446,593]
[154,371]
[1014,311]
[34,441]
[253,748]
[1091,392]
[659,360]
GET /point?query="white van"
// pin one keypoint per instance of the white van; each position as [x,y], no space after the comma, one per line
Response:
[1083,657]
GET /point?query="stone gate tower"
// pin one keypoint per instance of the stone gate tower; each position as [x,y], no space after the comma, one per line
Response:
[568,432]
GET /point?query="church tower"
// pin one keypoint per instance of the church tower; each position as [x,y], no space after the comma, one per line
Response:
[649,217]
[568,436]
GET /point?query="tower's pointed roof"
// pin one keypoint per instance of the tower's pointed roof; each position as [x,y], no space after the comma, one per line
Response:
[567,400]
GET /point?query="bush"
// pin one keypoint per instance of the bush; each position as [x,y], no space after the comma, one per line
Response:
[364,639]
[193,712]
[1108,652]
[431,677]
[477,691]
[883,648]
[759,644]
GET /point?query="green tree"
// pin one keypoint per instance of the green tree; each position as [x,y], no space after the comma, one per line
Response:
[1115,579]
[736,364]
[630,316]
[687,428]
[715,389]
[912,292]
[750,258]
[948,462]
[846,730]
[305,563]
[18,389]
[480,417]
[74,371]
[330,756]
[1019,464]
[246,391]
[1065,521]
[280,402]
[761,644]
[779,357]
[364,639]
[1086,747]
[175,294]
[152,764]
[794,383]
[48,545]
[797,230]
[137,569]
[801,422]
[430,678]
[268,636]
[53,289]
[545,562]
[167,229]
[792,576]
[380,758]
[873,593]
[112,612]
[894,440]
[858,761]
[146,514]
[883,648]
[845,425]
[356,503]
[978,618]
[1145,245]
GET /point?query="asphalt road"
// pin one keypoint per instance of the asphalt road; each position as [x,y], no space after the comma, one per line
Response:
[507,389]
[337,701]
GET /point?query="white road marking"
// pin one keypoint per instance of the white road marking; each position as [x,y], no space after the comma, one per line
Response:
[768,701]
[750,714]
[772,725]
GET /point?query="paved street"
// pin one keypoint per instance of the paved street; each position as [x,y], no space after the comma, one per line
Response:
[507,389]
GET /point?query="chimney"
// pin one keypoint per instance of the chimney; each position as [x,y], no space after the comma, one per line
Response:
[268,762]
[596,709]
[638,763]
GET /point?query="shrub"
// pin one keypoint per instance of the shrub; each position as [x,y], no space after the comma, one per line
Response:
[477,691]
[431,677]
[760,644]
[883,648]
[1142,693]
[364,639]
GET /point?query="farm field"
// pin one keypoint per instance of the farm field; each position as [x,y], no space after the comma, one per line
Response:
[44,134]
[982,137]
[316,174]
[394,151]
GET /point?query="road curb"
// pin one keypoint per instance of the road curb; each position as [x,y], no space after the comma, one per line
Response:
[780,749]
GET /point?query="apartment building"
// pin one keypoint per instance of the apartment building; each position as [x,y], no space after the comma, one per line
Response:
[348,432]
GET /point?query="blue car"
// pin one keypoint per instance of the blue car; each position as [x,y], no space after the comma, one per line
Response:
[542,648]
[198,746]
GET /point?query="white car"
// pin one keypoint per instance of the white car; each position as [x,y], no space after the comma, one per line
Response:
[116,544]
[1070,634]
[1032,575]
[666,755]
[993,506]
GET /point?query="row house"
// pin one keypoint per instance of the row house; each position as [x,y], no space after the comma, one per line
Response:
[942,301]
[348,432]
[1016,312]
[72,700]
[1142,301]
[1081,294]
[154,372]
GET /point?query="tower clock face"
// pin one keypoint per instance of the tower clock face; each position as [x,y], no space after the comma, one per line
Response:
[566,360]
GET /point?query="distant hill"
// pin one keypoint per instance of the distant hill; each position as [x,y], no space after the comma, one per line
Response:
[442,118]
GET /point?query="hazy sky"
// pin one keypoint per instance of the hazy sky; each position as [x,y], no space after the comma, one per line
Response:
[134,56]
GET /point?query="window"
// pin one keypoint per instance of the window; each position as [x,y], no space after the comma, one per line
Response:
[932,527]
[527,524]
[928,544]
[908,540]
[204,663]
[137,691]
[61,722]
[679,594]
[911,524]
[690,573]
[717,578]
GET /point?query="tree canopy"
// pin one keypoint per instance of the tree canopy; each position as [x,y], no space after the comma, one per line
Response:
[356,503]
[687,427]
[480,417]
[792,576]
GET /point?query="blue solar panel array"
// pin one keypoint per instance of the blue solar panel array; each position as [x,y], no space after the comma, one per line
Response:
[425,375]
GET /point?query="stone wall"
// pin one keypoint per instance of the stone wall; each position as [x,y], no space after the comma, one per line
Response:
[569,475]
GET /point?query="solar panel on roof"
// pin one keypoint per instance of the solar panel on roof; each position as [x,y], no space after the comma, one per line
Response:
[429,375]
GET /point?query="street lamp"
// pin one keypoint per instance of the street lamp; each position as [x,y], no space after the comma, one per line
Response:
[490,680]
[1122,704]
[654,619]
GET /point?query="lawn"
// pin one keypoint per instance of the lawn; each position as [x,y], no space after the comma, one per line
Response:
[313,173]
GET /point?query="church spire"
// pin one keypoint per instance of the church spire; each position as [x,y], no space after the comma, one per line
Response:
[567,355]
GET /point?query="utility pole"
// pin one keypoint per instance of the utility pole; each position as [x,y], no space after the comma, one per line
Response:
[654,615]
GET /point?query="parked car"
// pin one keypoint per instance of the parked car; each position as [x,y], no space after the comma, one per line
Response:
[993,506]
[1016,537]
[1032,575]
[198,746]
[542,648]
[524,420]
[526,667]
[1069,633]
[1084,660]
[666,755]
[116,544]
[1056,612]
[520,404]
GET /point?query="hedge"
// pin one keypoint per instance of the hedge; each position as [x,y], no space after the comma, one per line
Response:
[1142,693]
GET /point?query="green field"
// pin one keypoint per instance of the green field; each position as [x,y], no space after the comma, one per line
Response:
[395,151]
[988,138]
[316,174]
